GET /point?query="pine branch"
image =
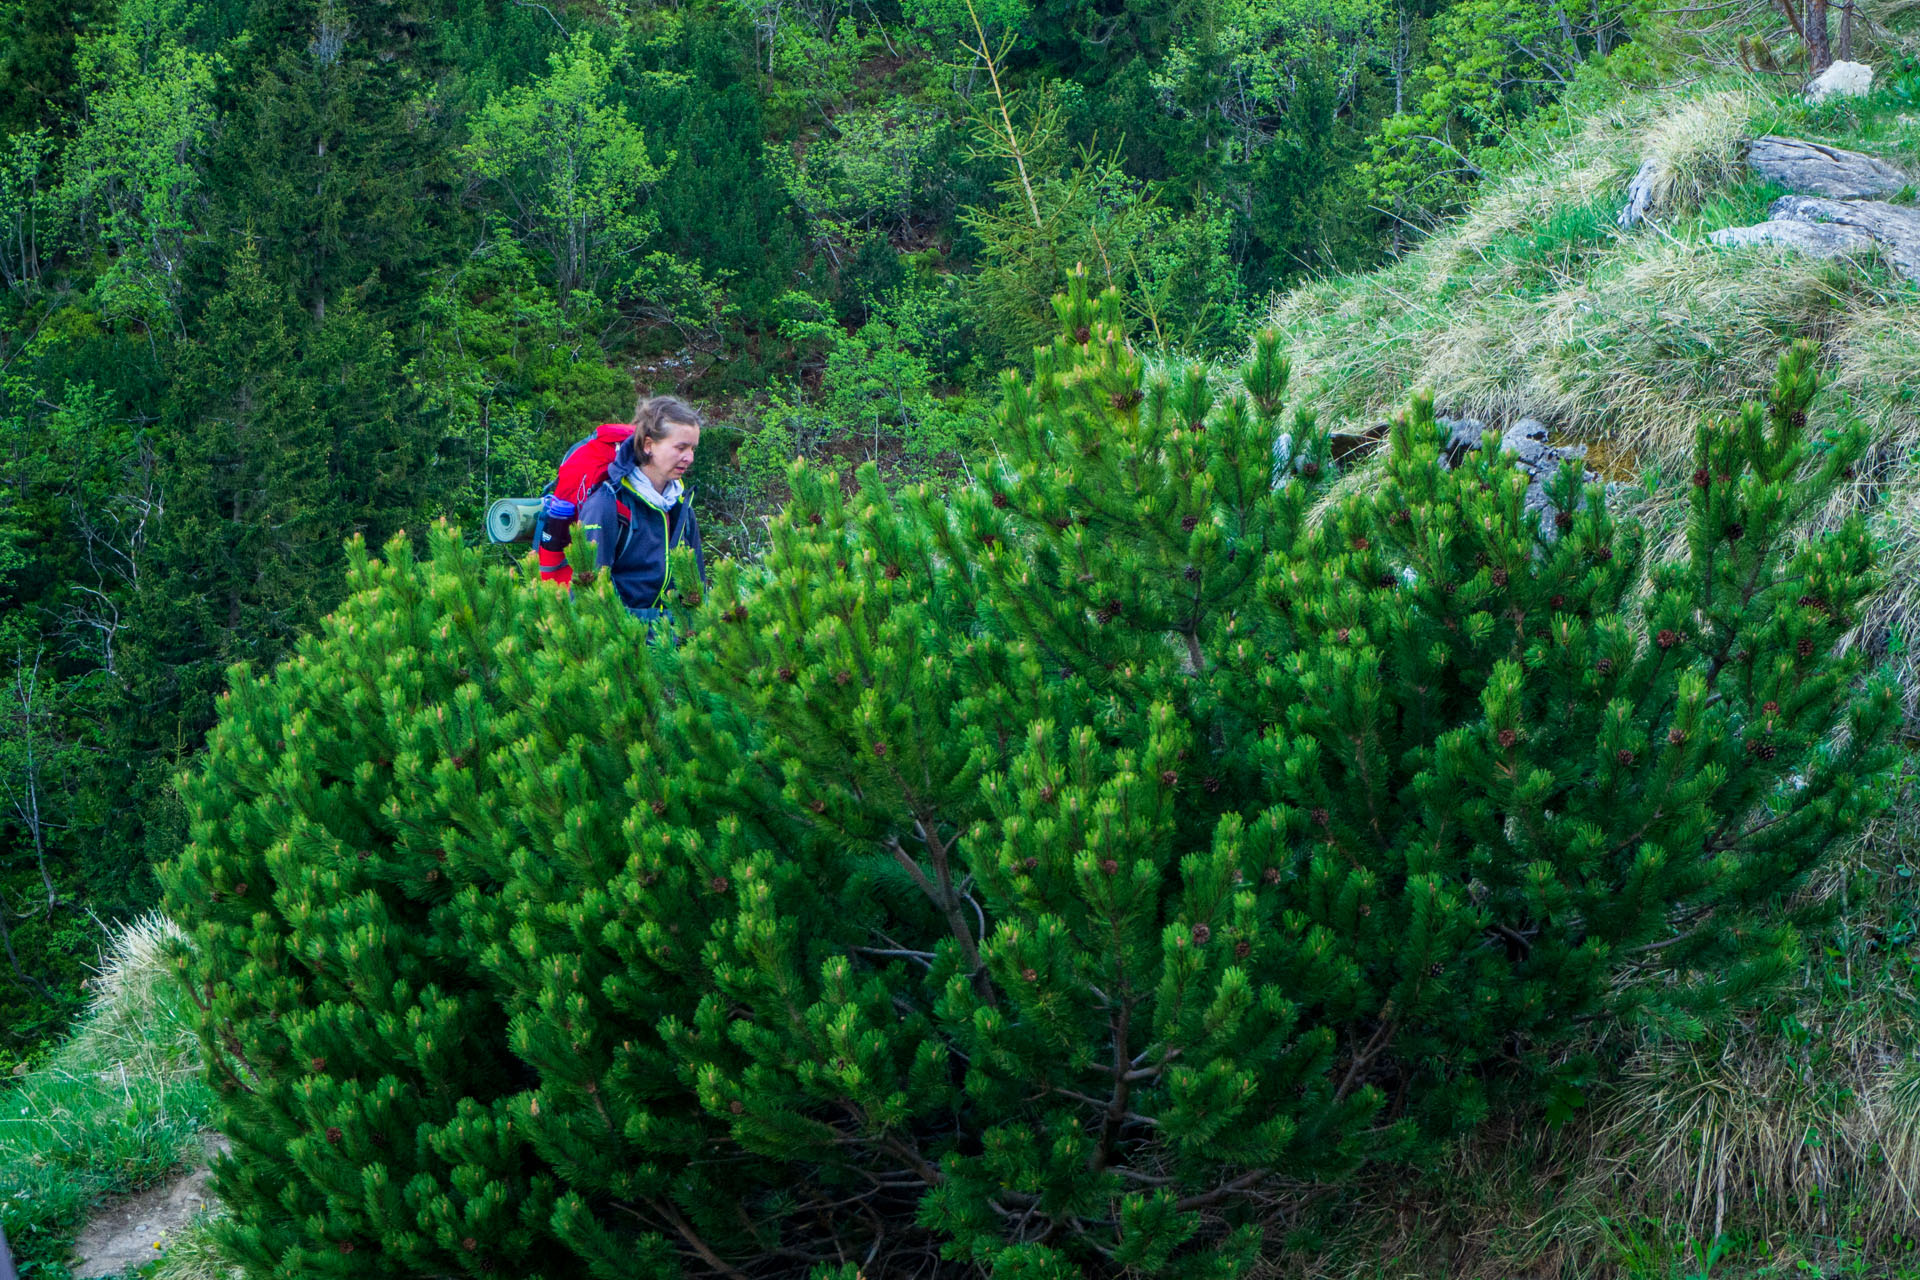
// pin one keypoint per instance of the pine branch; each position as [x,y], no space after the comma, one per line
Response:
[694,1242]
[1245,1182]
[940,890]
[1375,1046]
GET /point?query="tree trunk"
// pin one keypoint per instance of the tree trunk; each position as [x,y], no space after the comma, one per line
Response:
[1402,43]
[1819,52]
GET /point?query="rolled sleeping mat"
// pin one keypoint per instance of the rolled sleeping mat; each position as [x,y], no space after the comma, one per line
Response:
[512,519]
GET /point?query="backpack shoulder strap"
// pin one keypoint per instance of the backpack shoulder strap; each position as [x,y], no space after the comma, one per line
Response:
[622,517]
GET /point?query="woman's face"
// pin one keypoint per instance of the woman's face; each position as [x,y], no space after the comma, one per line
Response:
[670,456]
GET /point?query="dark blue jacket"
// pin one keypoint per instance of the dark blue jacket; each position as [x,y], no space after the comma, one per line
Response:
[631,537]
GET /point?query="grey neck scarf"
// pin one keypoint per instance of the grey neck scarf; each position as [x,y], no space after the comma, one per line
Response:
[659,501]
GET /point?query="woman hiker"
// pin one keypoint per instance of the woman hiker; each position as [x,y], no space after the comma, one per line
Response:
[640,512]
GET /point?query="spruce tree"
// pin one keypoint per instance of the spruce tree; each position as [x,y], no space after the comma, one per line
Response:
[1039,878]
[336,157]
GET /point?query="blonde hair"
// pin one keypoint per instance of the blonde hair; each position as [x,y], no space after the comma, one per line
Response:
[654,416]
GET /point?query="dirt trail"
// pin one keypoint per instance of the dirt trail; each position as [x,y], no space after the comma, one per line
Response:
[135,1229]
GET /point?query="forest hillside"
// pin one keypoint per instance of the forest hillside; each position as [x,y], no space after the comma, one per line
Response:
[281,275]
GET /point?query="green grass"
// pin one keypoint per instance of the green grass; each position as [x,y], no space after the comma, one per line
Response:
[116,1109]
[194,1254]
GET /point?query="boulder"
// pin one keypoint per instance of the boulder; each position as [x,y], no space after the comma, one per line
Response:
[1841,80]
[1821,239]
[1896,227]
[1810,168]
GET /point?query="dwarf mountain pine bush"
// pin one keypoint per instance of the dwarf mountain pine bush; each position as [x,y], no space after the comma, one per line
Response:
[1040,879]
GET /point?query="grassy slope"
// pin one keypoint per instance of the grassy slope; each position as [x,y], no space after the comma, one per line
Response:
[1789,1145]
[115,1109]
[1536,303]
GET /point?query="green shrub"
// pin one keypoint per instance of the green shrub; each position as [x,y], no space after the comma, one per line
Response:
[1044,878]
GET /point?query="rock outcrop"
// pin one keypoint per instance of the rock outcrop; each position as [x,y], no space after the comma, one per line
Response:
[1820,239]
[1836,207]
[1525,442]
[1812,168]
[1802,167]
[1640,192]
[1895,227]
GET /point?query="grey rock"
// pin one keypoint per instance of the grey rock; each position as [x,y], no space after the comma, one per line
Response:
[1813,169]
[1821,239]
[1462,434]
[1526,443]
[1896,227]
[1639,194]
[1526,440]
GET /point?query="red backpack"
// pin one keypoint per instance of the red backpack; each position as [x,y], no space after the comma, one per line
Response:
[581,471]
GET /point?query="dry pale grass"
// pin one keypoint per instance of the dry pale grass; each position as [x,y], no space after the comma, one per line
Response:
[1738,1129]
[138,1020]
[1813,1136]
[1674,334]
[1816,1132]
[1560,181]
[1630,341]
[1889,29]
[1695,149]
[1637,354]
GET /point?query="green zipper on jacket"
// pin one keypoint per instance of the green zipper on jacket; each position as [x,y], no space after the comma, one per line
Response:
[666,558]
[666,541]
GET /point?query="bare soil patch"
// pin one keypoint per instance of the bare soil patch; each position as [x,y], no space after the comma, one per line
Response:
[133,1230]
